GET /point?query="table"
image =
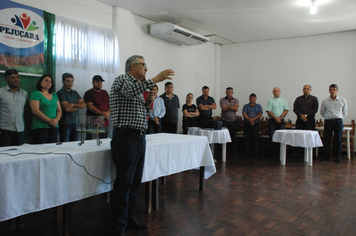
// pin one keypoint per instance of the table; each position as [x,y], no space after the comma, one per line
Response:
[347,129]
[308,139]
[34,182]
[214,136]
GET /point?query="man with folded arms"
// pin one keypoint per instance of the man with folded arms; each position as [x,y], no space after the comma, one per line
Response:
[229,106]
[71,102]
[334,110]
[129,113]
[206,105]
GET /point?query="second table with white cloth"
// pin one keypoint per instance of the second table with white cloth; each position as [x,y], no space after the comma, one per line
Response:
[214,136]
[308,139]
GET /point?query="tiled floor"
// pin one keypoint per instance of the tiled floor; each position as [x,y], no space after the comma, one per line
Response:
[247,196]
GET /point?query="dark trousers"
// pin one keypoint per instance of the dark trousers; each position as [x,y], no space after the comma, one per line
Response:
[10,138]
[45,135]
[251,137]
[68,132]
[169,128]
[305,125]
[128,153]
[231,126]
[153,128]
[337,126]
[273,126]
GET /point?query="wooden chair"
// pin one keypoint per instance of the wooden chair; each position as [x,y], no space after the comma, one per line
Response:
[239,127]
[289,125]
[351,137]
[264,134]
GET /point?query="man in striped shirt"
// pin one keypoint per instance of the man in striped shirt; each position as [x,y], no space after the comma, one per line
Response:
[129,113]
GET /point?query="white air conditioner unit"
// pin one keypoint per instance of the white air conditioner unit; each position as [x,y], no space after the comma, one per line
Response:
[176,34]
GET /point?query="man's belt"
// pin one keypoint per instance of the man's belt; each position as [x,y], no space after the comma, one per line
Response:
[130,130]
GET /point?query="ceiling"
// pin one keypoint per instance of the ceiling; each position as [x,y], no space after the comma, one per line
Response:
[237,21]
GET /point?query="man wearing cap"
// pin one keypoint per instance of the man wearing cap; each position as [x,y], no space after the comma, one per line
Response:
[71,102]
[277,109]
[229,107]
[305,107]
[334,110]
[252,113]
[97,101]
[12,108]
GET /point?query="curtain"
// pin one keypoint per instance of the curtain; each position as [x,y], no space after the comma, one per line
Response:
[49,55]
[84,46]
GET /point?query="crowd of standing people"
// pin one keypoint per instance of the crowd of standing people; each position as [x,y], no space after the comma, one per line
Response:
[134,109]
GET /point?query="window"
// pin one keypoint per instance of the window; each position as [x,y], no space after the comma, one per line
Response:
[83,46]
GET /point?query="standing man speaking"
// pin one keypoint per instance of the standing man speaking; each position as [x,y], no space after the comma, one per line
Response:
[129,113]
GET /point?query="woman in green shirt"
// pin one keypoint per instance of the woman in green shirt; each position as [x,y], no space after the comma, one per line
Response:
[46,111]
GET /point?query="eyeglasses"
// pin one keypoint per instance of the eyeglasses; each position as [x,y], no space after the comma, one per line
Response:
[143,64]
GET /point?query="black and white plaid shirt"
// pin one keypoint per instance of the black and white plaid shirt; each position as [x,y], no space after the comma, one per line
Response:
[128,109]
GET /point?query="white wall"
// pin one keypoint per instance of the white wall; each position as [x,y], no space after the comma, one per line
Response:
[249,67]
[289,64]
[195,66]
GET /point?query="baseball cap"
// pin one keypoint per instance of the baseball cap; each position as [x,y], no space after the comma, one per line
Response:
[98,78]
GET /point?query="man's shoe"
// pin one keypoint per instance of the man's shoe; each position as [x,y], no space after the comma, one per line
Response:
[338,160]
[134,224]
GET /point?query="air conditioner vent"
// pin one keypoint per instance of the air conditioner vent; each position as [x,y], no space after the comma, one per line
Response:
[200,39]
[182,32]
[176,34]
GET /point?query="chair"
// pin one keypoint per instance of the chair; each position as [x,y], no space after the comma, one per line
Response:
[289,125]
[351,139]
[239,127]
[264,134]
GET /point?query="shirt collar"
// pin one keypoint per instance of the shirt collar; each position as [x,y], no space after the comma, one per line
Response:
[8,89]
[337,98]
[65,90]
[131,77]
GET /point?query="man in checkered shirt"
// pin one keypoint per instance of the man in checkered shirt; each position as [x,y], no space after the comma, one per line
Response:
[129,113]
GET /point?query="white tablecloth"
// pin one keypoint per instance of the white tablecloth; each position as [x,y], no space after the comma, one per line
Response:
[214,136]
[298,138]
[34,182]
[168,154]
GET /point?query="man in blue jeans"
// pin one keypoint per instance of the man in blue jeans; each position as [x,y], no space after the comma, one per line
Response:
[334,110]
[129,113]
[71,102]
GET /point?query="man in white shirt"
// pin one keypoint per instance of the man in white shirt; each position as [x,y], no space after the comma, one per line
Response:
[158,110]
[334,110]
